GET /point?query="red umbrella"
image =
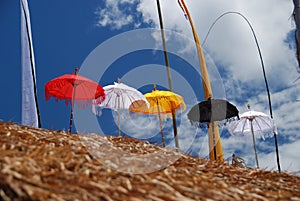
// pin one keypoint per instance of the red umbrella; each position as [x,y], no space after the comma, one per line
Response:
[75,89]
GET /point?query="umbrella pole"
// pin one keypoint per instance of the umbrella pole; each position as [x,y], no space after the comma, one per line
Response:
[254,145]
[162,132]
[119,131]
[71,118]
[72,108]
[214,141]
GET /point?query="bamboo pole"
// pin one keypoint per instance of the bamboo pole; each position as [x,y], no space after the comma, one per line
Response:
[215,145]
[263,69]
[168,72]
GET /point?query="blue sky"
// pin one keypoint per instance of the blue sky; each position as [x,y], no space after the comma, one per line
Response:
[65,33]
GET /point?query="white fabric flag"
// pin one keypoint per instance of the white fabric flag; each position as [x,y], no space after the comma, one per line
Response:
[29,106]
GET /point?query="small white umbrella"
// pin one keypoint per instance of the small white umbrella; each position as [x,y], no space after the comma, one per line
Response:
[121,96]
[258,123]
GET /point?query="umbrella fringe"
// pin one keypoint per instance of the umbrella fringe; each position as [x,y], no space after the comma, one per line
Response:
[57,98]
[264,134]
[97,110]
[221,124]
[59,83]
[258,134]
[82,104]
[99,100]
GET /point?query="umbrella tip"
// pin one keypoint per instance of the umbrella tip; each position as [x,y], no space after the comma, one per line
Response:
[248,106]
[76,70]
[119,80]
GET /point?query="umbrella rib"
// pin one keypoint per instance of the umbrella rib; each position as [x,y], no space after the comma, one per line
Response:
[235,125]
[170,105]
[266,122]
[116,101]
[119,98]
[85,91]
[70,87]
[122,100]
[244,124]
[261,130]
[92,92]
[258,125]
[108,100]
[131,99]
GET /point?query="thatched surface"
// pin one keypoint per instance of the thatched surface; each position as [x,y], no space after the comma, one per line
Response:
[37,164]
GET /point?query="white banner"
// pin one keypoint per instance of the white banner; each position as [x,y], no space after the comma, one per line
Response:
[29,106]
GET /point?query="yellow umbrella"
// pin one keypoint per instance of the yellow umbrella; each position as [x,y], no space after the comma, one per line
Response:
[161,102]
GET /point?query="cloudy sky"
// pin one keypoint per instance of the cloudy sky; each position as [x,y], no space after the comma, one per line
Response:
[67,36]
[232,47]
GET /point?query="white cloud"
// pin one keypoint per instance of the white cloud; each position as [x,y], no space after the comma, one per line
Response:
[116,14]
[232,46]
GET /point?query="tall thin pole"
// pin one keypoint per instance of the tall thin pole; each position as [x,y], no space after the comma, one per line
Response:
[168,71]
[213,130]
[264,74]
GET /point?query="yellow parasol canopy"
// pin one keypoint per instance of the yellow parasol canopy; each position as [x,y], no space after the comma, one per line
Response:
[161,102]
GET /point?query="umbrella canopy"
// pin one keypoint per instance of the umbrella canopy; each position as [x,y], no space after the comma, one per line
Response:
[74,88]
[63,88]
[161,102]
[212,110]
[121,96]
[257,123]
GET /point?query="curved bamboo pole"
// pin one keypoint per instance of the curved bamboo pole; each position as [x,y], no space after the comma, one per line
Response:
[264,74]
[215,145]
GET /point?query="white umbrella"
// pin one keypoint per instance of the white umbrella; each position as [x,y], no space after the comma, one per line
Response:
[258,123]
[121,96]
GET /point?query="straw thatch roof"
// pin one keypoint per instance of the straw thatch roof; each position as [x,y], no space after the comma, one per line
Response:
[38,164]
